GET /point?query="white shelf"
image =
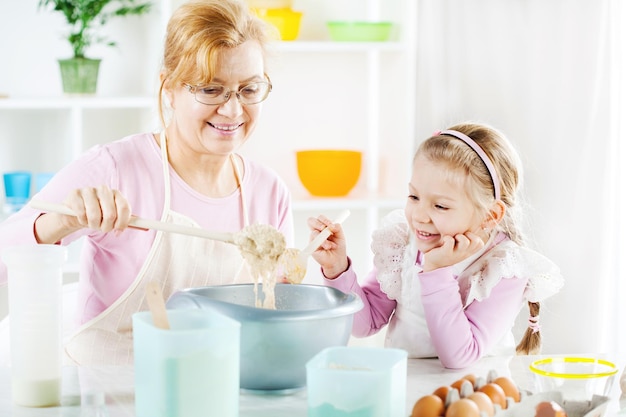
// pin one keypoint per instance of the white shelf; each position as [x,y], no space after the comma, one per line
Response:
[65,102]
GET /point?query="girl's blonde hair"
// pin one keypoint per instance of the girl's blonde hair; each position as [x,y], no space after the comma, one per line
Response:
[198,31]
[467,167]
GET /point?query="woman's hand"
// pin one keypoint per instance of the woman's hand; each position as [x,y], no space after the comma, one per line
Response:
[96,208]
[331,255]
[453,250]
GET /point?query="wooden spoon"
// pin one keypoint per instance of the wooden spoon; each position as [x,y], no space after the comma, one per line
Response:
[294,262]
[140,223]
[156,302]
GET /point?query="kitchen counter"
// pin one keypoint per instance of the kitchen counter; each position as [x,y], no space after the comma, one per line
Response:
[423,377]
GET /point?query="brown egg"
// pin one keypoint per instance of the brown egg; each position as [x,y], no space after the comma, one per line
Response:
[509,387]
[463,386]
[463,408]
[428,406]
[483,402]
[457,384]
[495,392]
[471,378]
[549,409]
[442,392]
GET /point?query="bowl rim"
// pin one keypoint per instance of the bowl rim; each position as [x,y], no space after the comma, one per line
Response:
[258,314]
[329,150]
[534,367]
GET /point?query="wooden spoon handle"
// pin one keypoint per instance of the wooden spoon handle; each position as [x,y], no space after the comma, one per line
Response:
[323,235]
[154,296]
[141,223]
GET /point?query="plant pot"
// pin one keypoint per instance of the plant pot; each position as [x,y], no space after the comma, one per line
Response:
[79,75]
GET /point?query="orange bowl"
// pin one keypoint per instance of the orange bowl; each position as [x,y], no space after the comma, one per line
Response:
[328,172]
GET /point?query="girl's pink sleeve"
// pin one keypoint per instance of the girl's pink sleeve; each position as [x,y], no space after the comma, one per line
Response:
[377,308]
[463,336]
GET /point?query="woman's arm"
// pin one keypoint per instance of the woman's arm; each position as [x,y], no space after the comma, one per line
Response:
[30,226]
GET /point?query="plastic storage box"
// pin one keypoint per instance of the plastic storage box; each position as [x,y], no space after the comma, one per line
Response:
[357,381]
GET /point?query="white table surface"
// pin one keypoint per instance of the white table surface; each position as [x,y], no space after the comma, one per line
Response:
[423,377]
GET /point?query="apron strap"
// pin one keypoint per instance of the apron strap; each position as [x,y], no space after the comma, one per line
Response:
[166,175]
[244,206]
[166,180]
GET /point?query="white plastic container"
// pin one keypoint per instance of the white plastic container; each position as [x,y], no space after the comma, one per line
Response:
[35,278]
[357,381]
[188,370]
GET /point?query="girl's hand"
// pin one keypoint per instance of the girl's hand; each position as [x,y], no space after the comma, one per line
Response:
[331,255]
[454,249]
[96,208]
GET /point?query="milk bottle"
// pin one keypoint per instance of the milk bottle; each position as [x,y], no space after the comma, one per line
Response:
[35,320]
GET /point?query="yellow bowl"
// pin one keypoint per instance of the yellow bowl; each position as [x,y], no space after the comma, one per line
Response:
[287,21]
[328,172]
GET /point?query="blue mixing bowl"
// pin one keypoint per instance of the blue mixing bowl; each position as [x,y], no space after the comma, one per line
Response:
[277,344]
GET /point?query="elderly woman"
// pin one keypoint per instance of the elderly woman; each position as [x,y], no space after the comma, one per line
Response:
[213,81]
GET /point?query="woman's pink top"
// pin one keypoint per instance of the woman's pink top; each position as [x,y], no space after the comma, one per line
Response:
[110,262]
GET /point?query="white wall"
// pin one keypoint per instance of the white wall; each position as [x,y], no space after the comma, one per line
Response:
[541,72]
[33,40]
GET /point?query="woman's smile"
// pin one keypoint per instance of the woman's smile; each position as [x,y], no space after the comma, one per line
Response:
[226,128]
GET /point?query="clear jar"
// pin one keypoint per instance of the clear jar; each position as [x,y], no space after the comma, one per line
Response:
[93,404]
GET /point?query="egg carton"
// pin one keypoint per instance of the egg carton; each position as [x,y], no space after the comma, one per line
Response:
[528,401]
[596,407]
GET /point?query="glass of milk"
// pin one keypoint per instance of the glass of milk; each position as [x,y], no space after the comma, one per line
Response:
[35,276]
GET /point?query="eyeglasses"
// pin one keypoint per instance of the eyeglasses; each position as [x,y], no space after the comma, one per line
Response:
[216,94]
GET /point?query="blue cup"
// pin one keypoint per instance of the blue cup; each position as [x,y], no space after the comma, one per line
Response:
[16,189]
[41,179]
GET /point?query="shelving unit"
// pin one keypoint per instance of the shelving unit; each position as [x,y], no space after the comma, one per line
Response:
[326,94]
[75,112]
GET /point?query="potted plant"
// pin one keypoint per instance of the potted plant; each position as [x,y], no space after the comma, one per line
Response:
[84,18]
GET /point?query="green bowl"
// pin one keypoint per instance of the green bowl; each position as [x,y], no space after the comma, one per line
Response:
[359,31]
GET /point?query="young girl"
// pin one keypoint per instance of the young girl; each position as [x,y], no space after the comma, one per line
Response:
[451,274]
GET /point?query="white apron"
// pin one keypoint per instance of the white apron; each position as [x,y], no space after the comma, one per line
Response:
[395,254]
[175,262]
[408,329]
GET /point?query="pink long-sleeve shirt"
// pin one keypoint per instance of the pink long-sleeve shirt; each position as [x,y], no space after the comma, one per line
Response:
[461,330]
[110,262]
[460,336]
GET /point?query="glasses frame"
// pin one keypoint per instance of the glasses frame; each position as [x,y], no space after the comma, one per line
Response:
[193,89]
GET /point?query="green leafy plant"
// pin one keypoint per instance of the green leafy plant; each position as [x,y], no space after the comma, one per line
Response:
[86,17]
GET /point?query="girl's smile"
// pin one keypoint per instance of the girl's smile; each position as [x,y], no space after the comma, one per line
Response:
[438,204]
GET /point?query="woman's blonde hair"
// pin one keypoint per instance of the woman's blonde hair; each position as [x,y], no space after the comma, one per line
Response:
[467,167]
[198,31]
